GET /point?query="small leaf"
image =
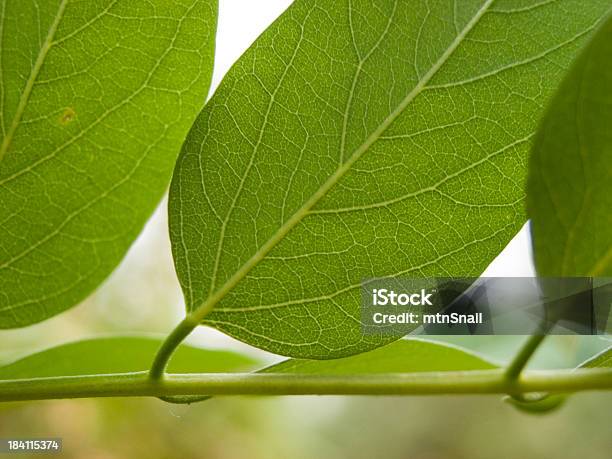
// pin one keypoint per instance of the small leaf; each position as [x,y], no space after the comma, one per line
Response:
[95,101]
[120,355]
[404,356]
[601,360]
[570,179]
[360,139]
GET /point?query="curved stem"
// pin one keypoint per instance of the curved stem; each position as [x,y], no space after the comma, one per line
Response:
[525,353]
[450,382]
[181,331]
[172,341]
[521,359]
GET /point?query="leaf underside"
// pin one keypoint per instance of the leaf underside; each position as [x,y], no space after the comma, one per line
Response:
[362,139]
[95,101]
[570,181]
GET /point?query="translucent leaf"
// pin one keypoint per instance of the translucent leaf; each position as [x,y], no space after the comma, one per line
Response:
[360,139]
[95,101]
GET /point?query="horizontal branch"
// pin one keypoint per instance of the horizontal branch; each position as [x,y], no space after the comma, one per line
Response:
[449,382]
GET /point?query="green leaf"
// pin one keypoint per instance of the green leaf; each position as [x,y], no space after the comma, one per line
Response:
[601,360]
[96,99]
[570,173]
[404,356]
[120,355]
[360,139]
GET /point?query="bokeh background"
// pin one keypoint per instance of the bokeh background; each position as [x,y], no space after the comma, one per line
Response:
[143,296]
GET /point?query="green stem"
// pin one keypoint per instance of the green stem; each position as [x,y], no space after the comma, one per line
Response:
[521,359]
[172,341]
[180,332]
[451,382]
[525,353]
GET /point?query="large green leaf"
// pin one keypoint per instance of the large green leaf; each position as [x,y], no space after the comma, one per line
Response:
[570,180]
[361,139]
[404,356]
[95,101]
[120,355]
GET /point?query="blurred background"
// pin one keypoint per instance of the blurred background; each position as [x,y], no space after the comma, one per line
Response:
[143,296]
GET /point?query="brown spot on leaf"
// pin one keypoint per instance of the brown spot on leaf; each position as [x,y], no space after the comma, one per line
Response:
[67,116]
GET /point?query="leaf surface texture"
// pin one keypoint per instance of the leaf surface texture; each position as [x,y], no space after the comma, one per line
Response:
[95,101]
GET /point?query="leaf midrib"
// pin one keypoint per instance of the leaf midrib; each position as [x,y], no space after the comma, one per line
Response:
[27,91]
[201,311]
